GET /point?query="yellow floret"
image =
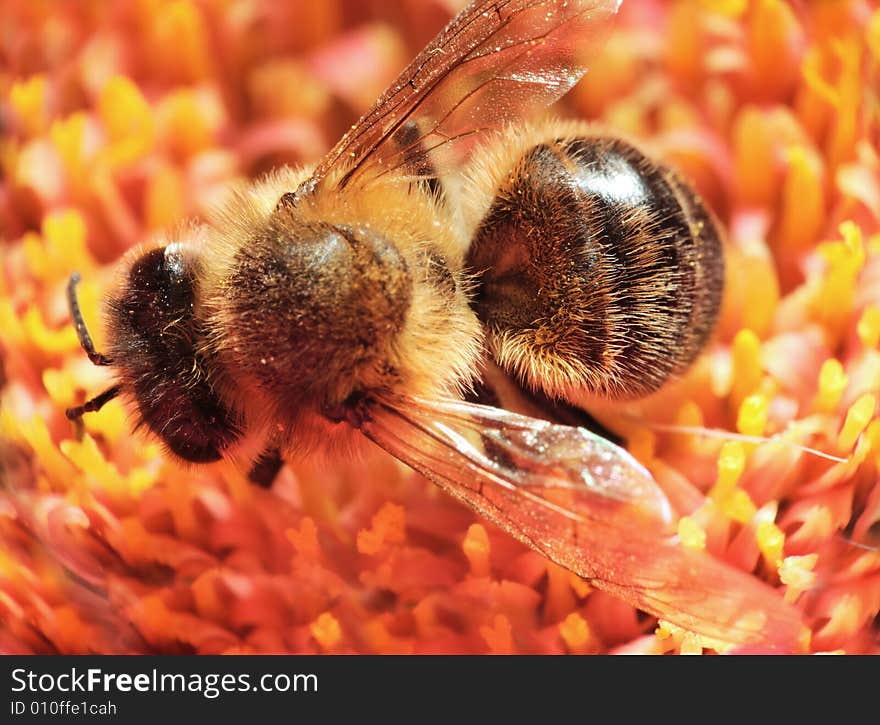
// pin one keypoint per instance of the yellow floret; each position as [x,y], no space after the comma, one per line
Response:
[89,459]
[62,340]
[641,443]
[858,416]
[165,199]
[738,506]
[61,247]
[803,200]
[180,25]
[326,630]
[853,242]
[796,572]
[731,464]
[771,542]
[731,8]
[13,330]
[835,295]
[68,136]
[28,100]
[691,534]
[476,548]
[575,632]
[498,636]
[691,644]
[873,34]
[111,423]
[57,467]
[128,120]
[388,527]
[868,327]
[832,383]
[60,385]
[189,120]
[747,370]
[752,418]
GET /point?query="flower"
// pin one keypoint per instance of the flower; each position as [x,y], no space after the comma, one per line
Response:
[121,122]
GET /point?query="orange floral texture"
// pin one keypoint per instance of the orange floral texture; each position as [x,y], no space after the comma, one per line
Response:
[122,119]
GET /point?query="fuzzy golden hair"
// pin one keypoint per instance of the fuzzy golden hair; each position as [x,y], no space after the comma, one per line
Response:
[432,351]
[601,272]
[575,262]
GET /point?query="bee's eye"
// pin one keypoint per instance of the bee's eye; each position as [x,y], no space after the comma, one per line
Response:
[160,290]
[157,343]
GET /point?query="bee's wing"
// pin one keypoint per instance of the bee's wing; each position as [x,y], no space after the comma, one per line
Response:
[497,60]
[587,505]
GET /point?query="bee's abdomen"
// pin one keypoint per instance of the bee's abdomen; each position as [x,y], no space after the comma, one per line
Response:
[601,270]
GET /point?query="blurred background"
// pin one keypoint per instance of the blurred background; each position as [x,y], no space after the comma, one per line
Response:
[120,120]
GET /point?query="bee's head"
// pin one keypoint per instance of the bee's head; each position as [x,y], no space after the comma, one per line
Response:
[153,332]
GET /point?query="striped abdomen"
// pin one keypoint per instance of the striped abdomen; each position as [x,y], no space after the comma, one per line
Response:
[600,270]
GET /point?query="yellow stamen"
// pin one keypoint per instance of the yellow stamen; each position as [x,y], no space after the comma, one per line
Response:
[128,119]
[873,35]
[388,527]
[305,539]
[68,136]
[499,636]
[57,467]
[189,120]
[89,459]
[61,248]
[832,383]
[771,542]
[62,340]
[752,418]
[691,644]
[641,443]
[476,548]
[731,464]
[575,632]
[691,534]
[857,418]
[803,201]
[580,586]
[326,630]
[165,198]
[730,8]
[747,370]
[28,100]
[738,506]
[868,328]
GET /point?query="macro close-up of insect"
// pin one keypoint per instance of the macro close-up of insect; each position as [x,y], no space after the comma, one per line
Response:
[367,294]
[484,291]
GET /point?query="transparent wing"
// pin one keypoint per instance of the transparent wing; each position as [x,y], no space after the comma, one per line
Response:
[497,60]
[587,505]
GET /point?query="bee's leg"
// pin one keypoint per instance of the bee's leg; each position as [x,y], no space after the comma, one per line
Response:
[266,468]
[567,414]
[96,403]
[500,390]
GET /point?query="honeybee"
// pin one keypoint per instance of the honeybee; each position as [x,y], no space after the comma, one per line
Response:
[448,263]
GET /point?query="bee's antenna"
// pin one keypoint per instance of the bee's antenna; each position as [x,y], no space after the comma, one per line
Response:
[96,403]
[97,358]
[85,339]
